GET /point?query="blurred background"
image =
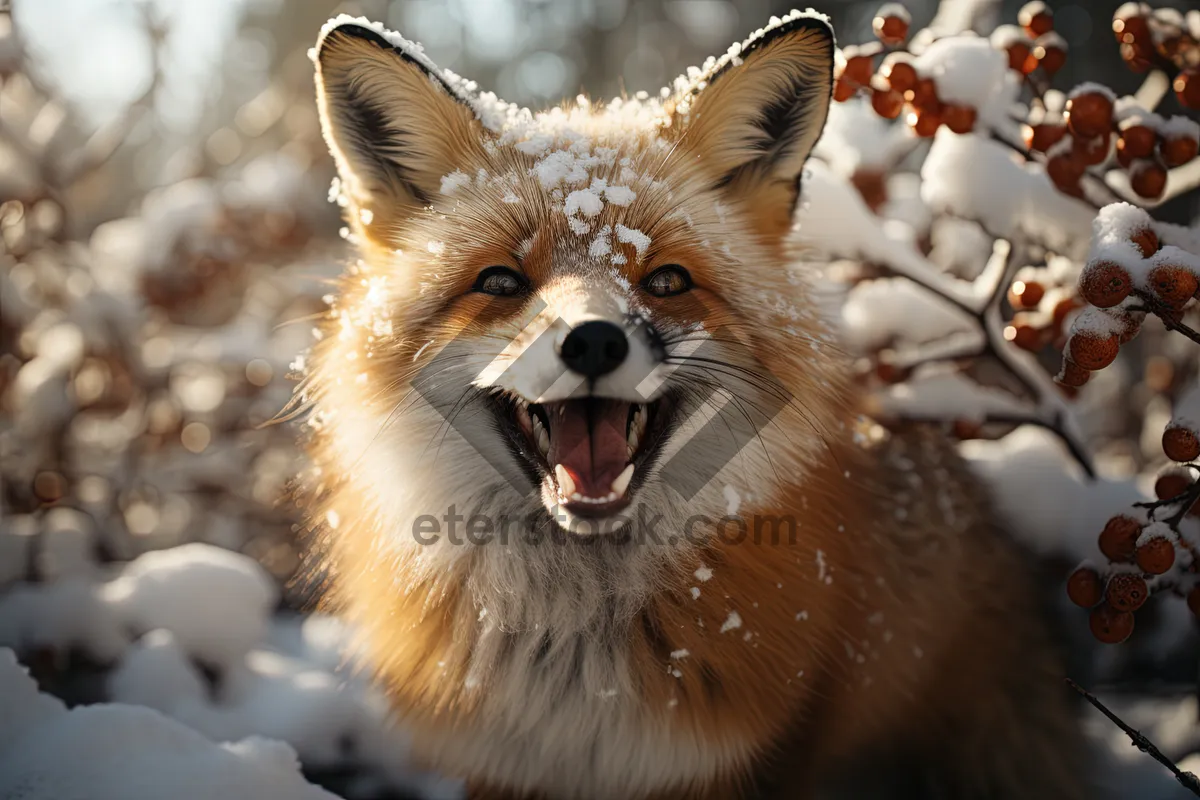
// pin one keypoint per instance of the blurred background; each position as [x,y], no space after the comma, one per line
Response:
[166,241]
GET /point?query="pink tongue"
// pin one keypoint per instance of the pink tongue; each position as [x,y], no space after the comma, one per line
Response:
[588,438]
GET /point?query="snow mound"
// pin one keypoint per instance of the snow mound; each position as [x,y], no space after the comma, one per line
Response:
[126,752]
[216,602]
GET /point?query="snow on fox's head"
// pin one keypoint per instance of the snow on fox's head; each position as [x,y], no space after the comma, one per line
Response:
[558,314]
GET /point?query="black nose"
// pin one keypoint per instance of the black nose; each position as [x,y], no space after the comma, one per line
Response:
[594,348]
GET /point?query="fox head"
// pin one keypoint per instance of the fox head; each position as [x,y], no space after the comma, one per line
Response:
[562,318]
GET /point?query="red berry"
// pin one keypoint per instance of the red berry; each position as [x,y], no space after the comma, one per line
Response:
[1146,240]
[1093,350]
[1178,150]
[899,72]
[843,89]
[1148,178]
[1026,294]
[872,185]
[1172,484]
[1126,591]
[1025,336]
[1089,114]
[1129,23]
[964,429]
[1109,625]
[1043,136]
[887,102]
[1065,171]
[891,25]
[1137,141]
[1172,42]
[890,373]
[1051,53]
[1036,18]
[1138,57]
[958,118]
[1083,587]
[1187,87]
[1173,285]
[1118,540]
[858,68]
[925,96]
[925,122]
[1156,556]
[1181,444]
[1105,284]
[1020,56]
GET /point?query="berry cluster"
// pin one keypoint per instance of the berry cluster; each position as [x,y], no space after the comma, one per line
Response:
[1147,554]
[1033,45]
[1080,134]
[1089,129]
[897,84]
[1109,156]
[1136,266]
[1042,310]
[1164,39]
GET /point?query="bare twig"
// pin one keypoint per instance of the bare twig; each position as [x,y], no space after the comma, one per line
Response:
[1186,779]
[982,304]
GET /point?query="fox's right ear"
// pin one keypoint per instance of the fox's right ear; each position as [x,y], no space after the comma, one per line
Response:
[752,117]
[393,123]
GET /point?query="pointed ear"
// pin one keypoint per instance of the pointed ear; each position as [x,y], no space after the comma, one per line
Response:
[752,117]
[393,122]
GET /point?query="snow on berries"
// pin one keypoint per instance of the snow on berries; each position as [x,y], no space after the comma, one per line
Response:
[891,24]
[1061,180]
[1036,18]
[1133,268]
[1181,438]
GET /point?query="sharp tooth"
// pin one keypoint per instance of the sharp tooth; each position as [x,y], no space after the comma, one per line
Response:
[633,441]
[622,481]
[565,484]
[543,440]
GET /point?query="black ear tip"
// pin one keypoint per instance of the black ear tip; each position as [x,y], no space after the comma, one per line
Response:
[350,30]
[817,24]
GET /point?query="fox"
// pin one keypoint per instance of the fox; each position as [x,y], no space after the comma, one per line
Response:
[592,484]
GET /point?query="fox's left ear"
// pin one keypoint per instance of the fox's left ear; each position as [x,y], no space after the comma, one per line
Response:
[393,122]
[754,116]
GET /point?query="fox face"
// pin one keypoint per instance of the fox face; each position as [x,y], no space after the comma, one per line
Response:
[549,306]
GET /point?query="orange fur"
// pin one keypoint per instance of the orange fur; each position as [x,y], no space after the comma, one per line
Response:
[897,619]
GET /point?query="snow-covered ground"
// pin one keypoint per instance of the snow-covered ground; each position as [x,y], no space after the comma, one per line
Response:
[208,689]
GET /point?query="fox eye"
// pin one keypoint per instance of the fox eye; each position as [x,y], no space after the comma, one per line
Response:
[500,281]
[668,281]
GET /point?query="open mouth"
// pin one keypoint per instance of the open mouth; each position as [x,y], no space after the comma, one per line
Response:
[595,449]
